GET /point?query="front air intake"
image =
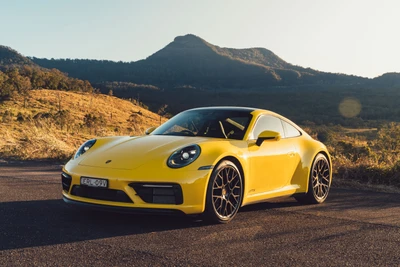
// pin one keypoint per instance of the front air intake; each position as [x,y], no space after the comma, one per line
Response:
[159,193]
[66,180]
[100,193]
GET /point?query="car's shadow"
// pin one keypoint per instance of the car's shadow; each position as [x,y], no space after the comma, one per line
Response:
[282,202]
[47,222]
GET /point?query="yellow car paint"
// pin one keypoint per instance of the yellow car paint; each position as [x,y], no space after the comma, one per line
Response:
[273,169]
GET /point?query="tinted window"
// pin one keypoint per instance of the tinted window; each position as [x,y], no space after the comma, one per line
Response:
[231,124]
[290,130]
[267,123]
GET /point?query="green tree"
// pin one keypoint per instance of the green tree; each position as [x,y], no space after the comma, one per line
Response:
[162,111]
[3,85]
[93,122]
[63,118]
[3,78]
[24,87]
[54,78]
[38,79]
[90,121]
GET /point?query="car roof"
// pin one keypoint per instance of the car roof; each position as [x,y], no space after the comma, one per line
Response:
[227,108]
[254,111]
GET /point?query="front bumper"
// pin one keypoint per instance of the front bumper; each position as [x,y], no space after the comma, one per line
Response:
[193,186]
[129,210]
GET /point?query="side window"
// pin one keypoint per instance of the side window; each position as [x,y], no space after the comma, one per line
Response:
[267,123]
[290,130]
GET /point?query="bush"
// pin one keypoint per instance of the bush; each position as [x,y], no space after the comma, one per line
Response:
[389,176]
[20,117]
[325,135]
[7,116]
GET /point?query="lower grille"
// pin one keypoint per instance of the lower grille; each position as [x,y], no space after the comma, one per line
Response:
[66,181]
[100,193]
[159,193]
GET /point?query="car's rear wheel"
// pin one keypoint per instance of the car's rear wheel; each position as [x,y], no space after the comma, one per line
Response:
[319,181]
[224,193]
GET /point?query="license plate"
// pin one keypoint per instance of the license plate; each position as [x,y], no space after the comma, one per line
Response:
[94,182]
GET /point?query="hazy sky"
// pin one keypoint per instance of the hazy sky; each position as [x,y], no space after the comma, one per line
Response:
[359,37]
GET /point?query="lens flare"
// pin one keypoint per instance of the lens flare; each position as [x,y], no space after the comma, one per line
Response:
[350,107]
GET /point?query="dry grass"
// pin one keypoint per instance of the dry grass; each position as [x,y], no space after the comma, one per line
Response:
[366,157]
[45,137]
[363,130]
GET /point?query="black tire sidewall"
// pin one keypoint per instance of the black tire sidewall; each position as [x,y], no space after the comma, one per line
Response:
[311,194]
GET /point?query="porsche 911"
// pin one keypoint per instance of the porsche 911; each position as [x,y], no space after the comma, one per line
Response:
[205,161]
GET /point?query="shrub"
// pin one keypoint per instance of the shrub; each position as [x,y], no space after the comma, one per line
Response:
[20,117]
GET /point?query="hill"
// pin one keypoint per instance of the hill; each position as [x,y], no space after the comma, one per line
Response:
[190,72]
[191,61]
[52,124]
[9,56]
[391,79]
[19,75]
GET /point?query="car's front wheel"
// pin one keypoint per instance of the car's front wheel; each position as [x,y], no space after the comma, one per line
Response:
[319,181]
[224,193]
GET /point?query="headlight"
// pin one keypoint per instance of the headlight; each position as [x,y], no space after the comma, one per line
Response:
[184,156]
[85,147]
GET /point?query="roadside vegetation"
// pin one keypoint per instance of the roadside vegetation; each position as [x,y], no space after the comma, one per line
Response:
[366,156]
[51,124]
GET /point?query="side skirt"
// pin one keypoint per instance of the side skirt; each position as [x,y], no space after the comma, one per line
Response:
[260,197]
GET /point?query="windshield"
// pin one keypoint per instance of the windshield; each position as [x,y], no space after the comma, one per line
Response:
[229,124]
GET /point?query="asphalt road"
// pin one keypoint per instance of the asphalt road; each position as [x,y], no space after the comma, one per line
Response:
[360,228]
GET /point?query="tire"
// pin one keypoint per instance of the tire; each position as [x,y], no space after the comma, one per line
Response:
[224,193]
[319,181]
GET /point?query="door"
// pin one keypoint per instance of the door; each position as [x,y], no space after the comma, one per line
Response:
[272,162]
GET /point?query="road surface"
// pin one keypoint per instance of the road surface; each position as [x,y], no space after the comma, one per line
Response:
[360,228]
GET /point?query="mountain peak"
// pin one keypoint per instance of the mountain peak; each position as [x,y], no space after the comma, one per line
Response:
[190,41]
[188,38]
[195,44]
[184,45]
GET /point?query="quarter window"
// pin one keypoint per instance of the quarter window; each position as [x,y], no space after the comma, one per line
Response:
[290,130]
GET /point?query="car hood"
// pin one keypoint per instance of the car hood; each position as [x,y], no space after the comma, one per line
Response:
[133,152]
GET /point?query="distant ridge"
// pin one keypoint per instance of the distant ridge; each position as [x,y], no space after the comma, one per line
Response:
[190,72]
[9,56]
[390,79]
[191,61]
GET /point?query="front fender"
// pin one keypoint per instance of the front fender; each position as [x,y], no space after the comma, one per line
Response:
[230,149]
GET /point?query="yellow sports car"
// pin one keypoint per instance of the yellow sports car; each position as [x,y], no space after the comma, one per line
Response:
[209,161]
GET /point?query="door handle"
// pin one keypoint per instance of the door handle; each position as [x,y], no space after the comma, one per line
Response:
[291,154]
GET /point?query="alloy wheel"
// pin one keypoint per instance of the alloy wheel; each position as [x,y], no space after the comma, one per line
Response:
[226,192]
[321,178]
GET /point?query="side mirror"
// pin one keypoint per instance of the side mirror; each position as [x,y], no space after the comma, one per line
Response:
[267,135]
[150,130]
